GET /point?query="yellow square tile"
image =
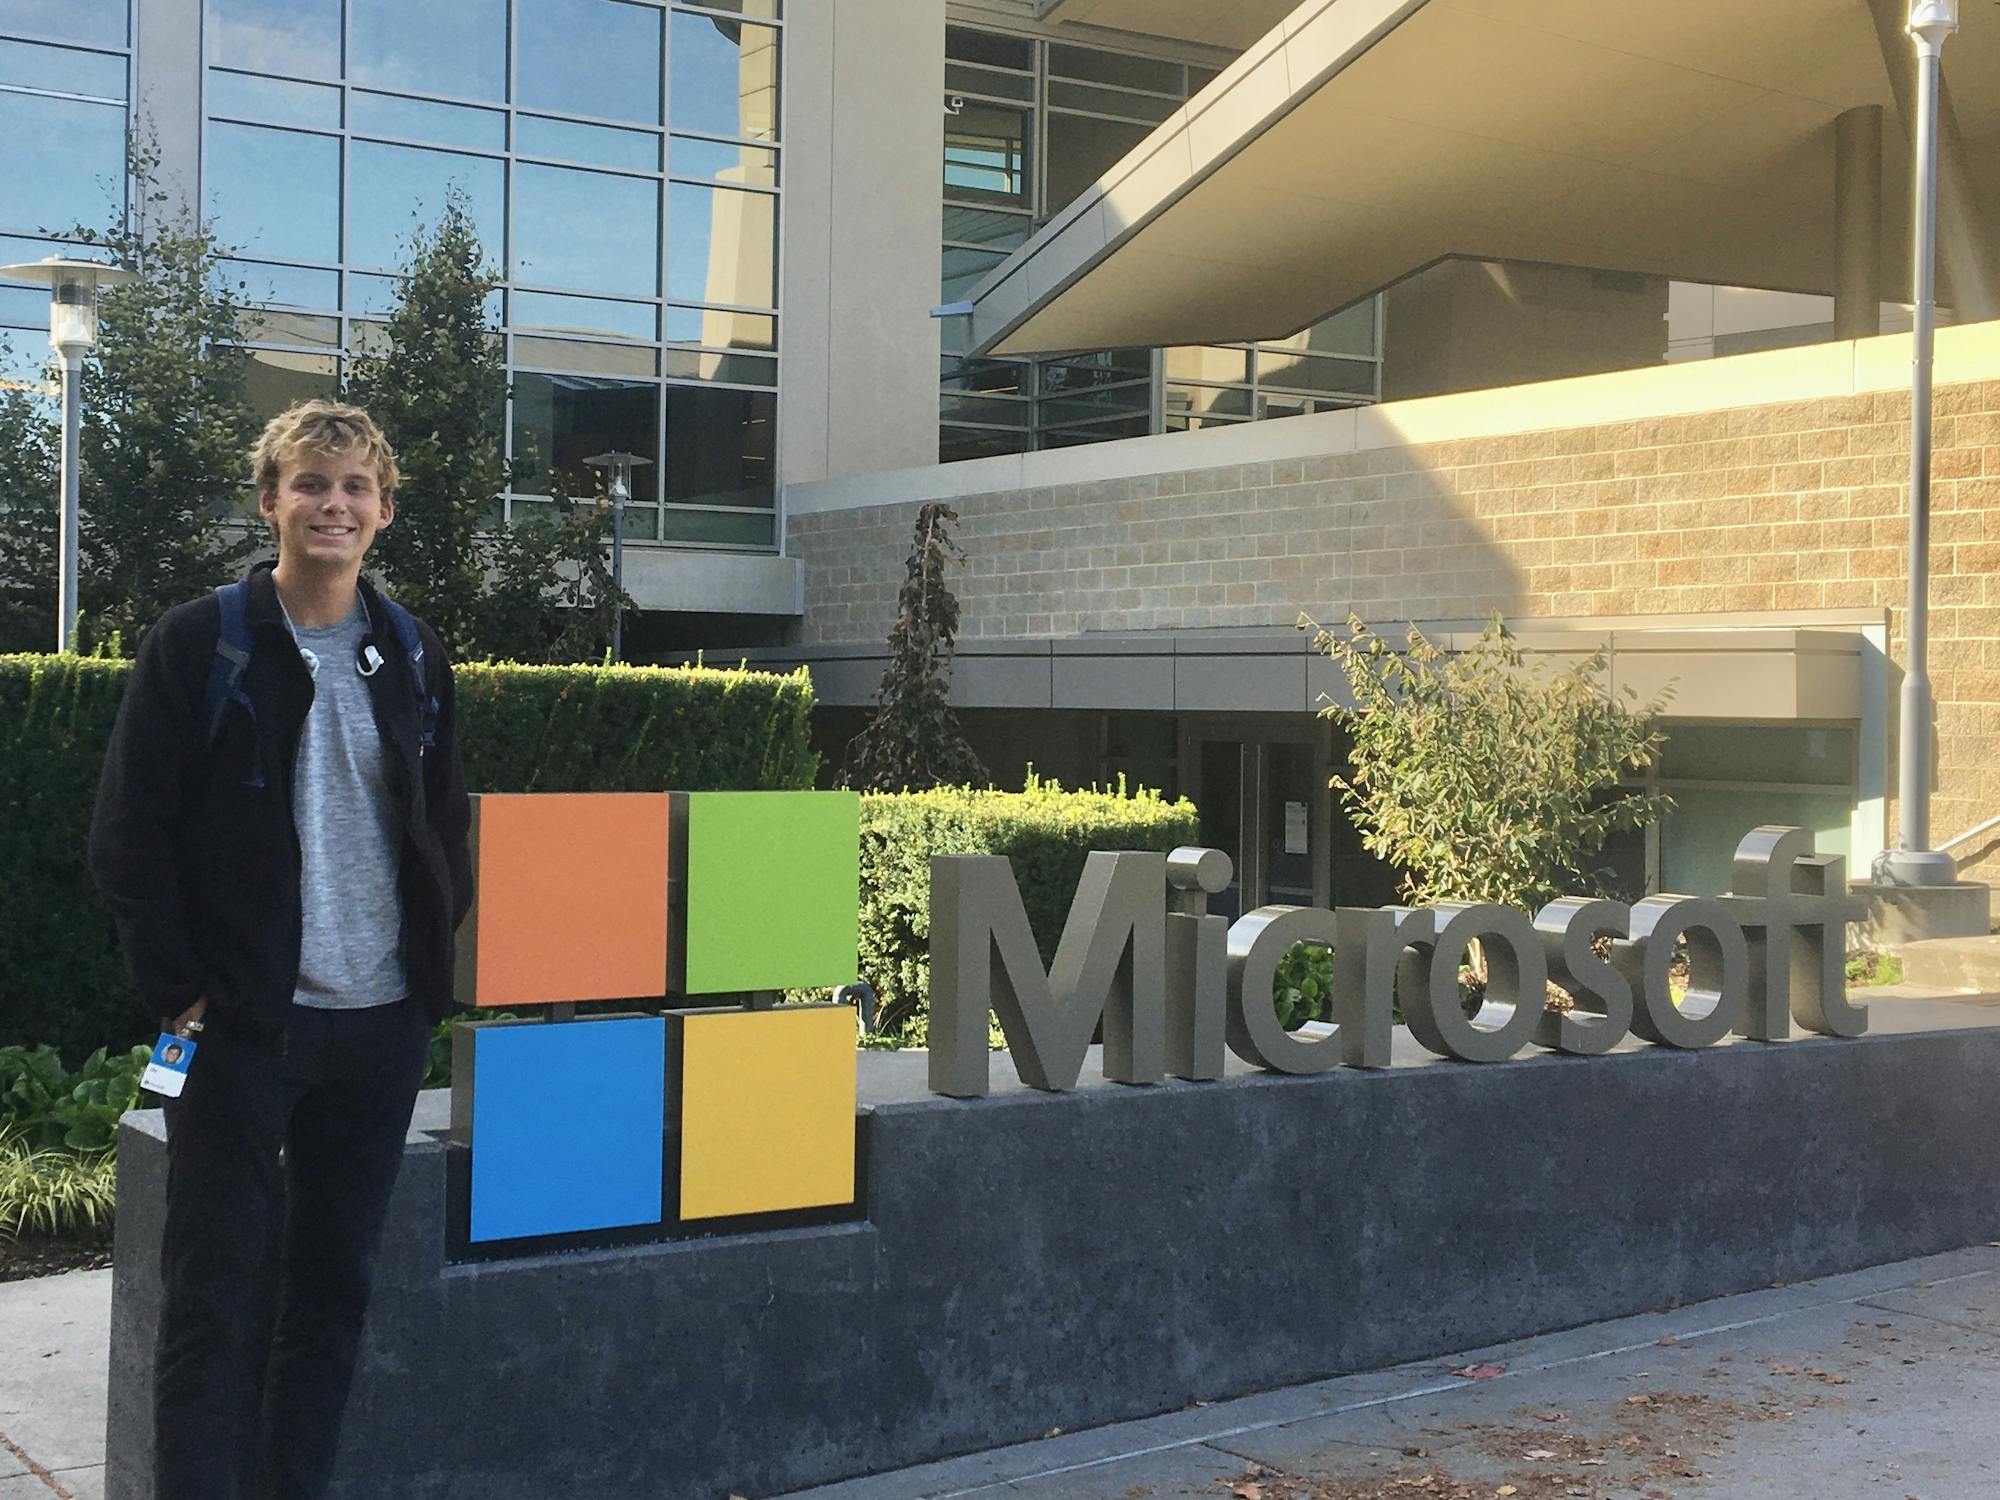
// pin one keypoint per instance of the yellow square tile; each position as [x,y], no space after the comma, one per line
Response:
[766,1109]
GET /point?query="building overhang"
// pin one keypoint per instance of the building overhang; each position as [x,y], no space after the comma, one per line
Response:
[1361,140]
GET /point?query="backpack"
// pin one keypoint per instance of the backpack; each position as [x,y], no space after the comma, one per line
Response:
[232,659]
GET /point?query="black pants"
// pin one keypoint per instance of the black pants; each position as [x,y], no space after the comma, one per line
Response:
[266,1264]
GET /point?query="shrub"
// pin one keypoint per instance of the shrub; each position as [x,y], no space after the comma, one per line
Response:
[49,1107]
[1044,830]
[55,1192]
[62,978]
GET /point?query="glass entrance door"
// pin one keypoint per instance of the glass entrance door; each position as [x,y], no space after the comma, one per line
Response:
[1264,801]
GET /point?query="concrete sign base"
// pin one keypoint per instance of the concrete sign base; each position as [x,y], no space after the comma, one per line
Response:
[1037,1260]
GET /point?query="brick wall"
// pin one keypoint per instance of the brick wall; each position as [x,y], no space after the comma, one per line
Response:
[1791,507]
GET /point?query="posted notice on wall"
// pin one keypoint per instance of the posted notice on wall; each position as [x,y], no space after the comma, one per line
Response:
[1295,828]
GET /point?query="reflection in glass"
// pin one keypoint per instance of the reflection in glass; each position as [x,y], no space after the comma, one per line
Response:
[730,369]
[275,193]
[1083,150]
[724,77]
[276,36]
[393,189]
[277,101]
[986,226]
[62,69]
[986,153]
[721,330]
[549,312]
[1191,363]
[560,420]
[1308,372]
[1151,108]
[606,145]
[1120,68]
[744,166]
[722,245]
[368,338]
[989,377]
[75,174]
[590,230]
[993,48]
[585,358]
[954,408]
[963,270]
[422,120]
[962,78]
[264,326]
[959,443]
[1208,402]
[589,57]
[722,528]
[287,286]
[438,47]
[761,10]
[720,445]
[370,296]
[273,380]
[1349,331]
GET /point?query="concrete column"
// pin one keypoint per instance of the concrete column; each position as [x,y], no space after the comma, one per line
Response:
[1857,223]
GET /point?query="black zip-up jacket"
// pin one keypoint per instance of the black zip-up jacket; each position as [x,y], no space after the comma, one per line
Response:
[194,845]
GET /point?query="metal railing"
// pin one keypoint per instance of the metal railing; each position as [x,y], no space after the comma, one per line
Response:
[1970,834]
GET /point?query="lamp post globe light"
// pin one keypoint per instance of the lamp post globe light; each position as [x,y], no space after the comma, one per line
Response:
[73,286]
[1913,861]
[620,465]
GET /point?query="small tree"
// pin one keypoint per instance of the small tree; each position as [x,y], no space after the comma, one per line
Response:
[1481,777]
[913,741]
[535,591]
[165,424]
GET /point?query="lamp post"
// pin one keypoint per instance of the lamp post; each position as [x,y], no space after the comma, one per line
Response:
[620,464]
[73,287]
[1913,861]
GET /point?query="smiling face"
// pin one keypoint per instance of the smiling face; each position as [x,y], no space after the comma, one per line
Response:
[325,509]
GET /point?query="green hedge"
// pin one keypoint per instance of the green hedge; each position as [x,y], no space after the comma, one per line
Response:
[62,979]
[1044,830]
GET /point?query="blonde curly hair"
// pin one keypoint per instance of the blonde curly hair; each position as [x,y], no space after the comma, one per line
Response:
[321,426]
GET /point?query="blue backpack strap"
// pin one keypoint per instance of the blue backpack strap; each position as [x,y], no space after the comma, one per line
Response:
[232,658]
[411,641]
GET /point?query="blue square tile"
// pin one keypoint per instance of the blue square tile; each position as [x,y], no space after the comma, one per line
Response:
[568,1120]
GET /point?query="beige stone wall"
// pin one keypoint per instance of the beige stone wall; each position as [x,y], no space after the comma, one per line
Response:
[1786,507]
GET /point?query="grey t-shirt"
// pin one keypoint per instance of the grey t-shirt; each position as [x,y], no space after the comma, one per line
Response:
[350,955]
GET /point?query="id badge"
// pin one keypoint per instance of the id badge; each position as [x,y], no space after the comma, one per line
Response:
[168,1071]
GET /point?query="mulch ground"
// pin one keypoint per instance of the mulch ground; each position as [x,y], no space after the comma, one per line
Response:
[25,1258]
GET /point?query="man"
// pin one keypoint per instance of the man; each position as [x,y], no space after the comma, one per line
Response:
[281,835]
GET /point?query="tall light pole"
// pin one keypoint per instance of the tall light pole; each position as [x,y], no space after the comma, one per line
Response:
[1913,861]
[621,464]
[73,287]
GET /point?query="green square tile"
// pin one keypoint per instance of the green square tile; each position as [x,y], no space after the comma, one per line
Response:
[773,890]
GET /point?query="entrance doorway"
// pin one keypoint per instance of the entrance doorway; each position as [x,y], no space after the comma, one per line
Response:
[1264,801]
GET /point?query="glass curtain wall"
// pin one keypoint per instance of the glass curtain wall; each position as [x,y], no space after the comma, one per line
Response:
[65,79]
[621,160]
[1028,125]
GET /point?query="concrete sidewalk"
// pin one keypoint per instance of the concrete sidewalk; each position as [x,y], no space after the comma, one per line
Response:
[1884,1383]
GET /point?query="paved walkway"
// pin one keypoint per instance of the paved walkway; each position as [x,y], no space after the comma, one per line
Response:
[1881,1385]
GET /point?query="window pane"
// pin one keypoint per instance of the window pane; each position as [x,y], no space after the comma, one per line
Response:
[63,69]
[1307,372]
[986,376]
[420,120]
[993,413]
[603,144]
[762,10]
[721,245]
[986,154]
[1115,67]
[370,296]
[73,171]
[273,380]
[730,369]
[95,23]
[960,78]
[1081,151]
[393,189]
[275,192]
[963,270]
[721,330]
[990,47]
[724,77]
[263,326]
[438,47]
[728,528]
[720,446]
[590,57]
[1148,107]
[745,166]
[956,443]
[1208,364]
[587,358]
[1203,401]
[590,230]
[986,226]
[594,315]
[1349,331]
[277,100]
[560,420]
[275,36]
[287,286]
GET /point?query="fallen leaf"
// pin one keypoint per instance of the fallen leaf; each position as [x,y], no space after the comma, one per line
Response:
[1784,1369]
[1507,1489]
[1539,1453]
[1551,1416]
[1477,1372]
[1666,1343]
[1248,1492]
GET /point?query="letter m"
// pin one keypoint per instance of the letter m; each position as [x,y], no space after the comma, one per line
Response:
[1110,966]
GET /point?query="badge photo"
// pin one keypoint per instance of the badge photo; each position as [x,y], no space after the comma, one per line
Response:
[167,1072]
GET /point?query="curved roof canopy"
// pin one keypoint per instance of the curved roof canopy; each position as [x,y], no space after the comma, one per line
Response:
[1362,140]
